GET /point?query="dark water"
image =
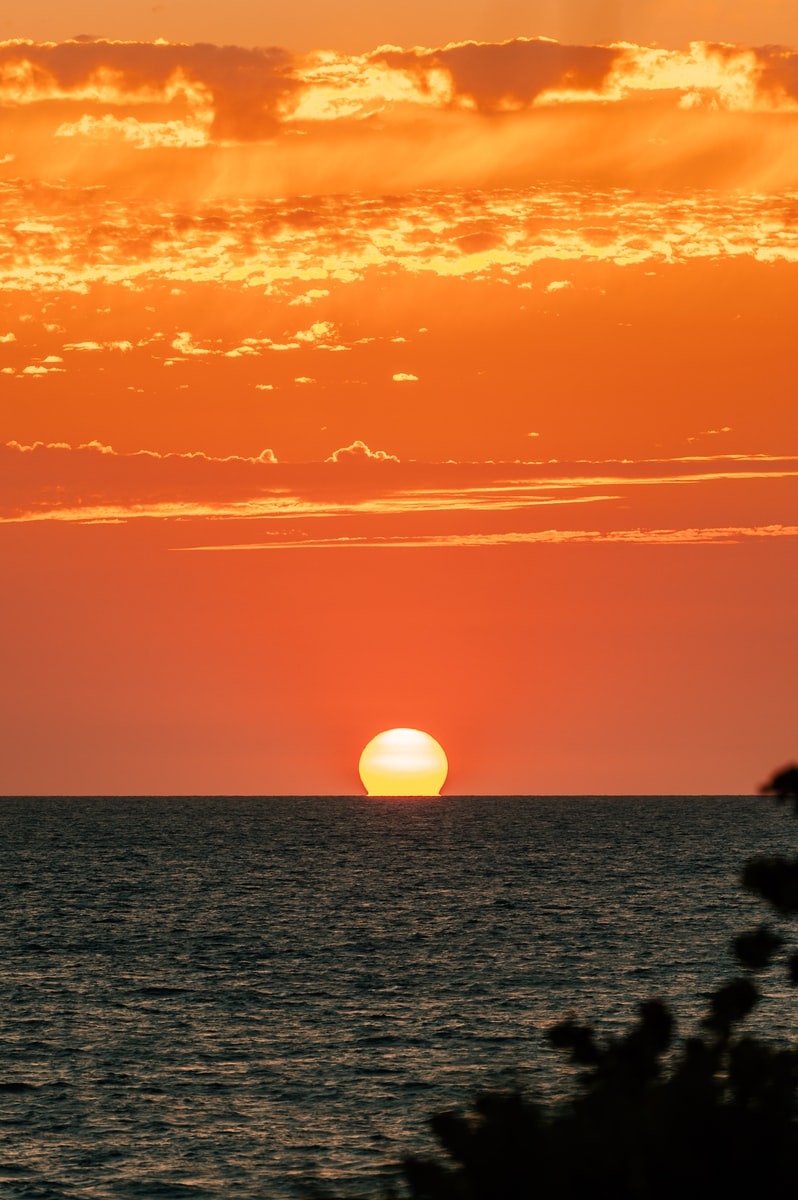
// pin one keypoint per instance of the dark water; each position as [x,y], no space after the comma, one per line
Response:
[224,997]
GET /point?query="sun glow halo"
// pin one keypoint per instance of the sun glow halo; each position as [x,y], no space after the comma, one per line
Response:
[403,762]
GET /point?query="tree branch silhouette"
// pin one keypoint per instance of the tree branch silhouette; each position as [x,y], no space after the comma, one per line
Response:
[713,1116]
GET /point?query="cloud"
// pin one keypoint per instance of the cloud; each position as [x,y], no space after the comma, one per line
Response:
[525,74]
[718,536]
[778,74]
[231,92]
[401,377]
[8,337]
[320,331]
[185,345]
[309,296]
[144,135]
[557,285]
[345,239]
[316,336]
[358,452]
[506,76]
[99,447]
[469,113]
[437,502]
[91,481]
[710,433]
[94,347]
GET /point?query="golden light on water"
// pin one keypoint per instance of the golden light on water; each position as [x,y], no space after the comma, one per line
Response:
[403,762]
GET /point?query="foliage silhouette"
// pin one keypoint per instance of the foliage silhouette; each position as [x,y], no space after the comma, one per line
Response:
[713,1116]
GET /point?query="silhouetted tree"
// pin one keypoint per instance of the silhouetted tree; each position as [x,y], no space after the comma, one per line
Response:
[715,1116]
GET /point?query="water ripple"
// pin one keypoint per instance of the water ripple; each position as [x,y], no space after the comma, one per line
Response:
[217,997]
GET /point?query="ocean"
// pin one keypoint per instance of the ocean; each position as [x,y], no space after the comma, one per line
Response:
[231,997]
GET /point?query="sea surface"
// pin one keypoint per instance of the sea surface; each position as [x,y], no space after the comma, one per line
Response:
[229,997]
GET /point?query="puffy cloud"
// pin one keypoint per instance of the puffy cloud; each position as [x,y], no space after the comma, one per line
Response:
[181,98]
[316,336]
[778,74]
[235,93]
[95,347]
[144,135]
[57,481]
[402,377]
[8,337]
[90,481]
[144,242]
[320,331]
[184,344]
[525,73]
[358,452]
[309,296]
[506,76]
[96,446]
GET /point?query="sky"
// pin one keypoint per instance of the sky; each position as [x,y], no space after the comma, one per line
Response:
[401,365]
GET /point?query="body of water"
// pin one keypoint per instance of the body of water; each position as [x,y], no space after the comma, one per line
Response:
[225,997]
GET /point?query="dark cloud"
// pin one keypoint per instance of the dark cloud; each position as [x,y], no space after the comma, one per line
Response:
[247,86]
[516,72]
[779,74]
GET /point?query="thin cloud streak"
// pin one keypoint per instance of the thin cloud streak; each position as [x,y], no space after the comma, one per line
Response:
[648,537]
[92,482]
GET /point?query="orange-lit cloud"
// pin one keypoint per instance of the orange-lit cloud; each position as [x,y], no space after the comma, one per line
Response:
[722,536]
[240,94]
[358,452]
[280,245]
[92,482]
[232,121]
[366,497]
[228,92]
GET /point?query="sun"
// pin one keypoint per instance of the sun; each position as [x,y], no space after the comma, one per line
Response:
[403,762]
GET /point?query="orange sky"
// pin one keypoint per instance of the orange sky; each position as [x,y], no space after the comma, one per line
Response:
[353,26]
[413,371]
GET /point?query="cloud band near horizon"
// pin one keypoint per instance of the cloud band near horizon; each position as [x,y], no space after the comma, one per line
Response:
[367,498]
[227,118]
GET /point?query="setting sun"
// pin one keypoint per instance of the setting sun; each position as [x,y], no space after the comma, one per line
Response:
[403,762]
[431,362]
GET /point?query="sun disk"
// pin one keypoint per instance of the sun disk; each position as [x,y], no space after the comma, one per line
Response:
[403,762]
